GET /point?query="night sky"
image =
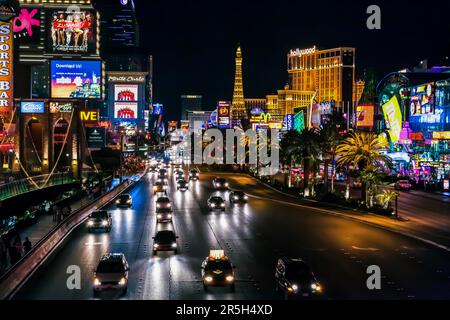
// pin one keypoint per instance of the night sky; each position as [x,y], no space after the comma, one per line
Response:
[194,42]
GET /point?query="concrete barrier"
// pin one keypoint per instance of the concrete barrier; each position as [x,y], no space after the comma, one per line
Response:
[19,274]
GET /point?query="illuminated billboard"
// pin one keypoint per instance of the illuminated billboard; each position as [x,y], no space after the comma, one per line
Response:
[27,26]
[6,69]
[289,122]
[76,79]
[393,118]
[364,115]
[63,107]
[223,114]
[158,109]
[125,92]
[125,110]
[422,99]
[71,31]
[32,107]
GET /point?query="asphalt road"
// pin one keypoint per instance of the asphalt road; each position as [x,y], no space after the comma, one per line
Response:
[253,235]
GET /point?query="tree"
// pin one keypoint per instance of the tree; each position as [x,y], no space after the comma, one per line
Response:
[307,149]
[360,150]
[386,198]
[330,138]
[370,177]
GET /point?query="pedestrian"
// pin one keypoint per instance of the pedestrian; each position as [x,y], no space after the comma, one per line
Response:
[3,256]
[18,246]
[59,217]
[26,245]
[55,213]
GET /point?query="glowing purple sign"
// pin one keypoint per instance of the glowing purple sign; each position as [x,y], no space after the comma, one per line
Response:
[26,21]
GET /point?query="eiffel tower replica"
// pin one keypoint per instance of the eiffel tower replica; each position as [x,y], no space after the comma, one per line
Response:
[238,110]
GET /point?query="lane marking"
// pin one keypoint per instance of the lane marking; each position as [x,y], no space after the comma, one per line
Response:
[365,249]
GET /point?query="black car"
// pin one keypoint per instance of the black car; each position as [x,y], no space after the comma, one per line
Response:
[294,278]
[216,203]
[111,273]
[194,175]
[182,185]
[217,270]
[99,220]
[165,240]
[220,183]
[238,197]
[124,200]
[153,169]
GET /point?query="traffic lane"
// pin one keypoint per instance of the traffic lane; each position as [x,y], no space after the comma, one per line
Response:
[427,274]
[85,250]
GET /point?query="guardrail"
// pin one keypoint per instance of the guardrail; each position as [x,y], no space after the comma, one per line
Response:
[19,274]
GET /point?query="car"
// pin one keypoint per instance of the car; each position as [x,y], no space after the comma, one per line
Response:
[162,172]
[111,273]
[163,203]
[167,165]
[238,197]
[159,187]
[164,215]
[124,200]
[220,183]
[403,185]
[194,175]
[177,166]
[99,220]
[217,270]
[182,185]
[153,169]
[294,277]
[165,240]
[216,202]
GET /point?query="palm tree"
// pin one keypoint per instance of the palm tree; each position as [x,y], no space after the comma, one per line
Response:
[370,177]
[330,138]
[386,198]
[306,149]
[360,150]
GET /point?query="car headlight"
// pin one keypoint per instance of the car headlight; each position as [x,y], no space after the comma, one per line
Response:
[174,245]
[129,201]
[212,205]
[246,197]
[155,245]
[316,287]
[104,223]
[159,216]
[169,205]
[117,201]
[229,278]
[208,279]
[169,216]
[236,197]
[294,287]
[97,282]
[122,281]
[90,223]
[158,205]
[222,204]
[226,184]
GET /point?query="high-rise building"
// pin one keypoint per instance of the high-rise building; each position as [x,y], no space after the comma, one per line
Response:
[238,105]
[119,31]
[190,103]
[255,105]
[330,72]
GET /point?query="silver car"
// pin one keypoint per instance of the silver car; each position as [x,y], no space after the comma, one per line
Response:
[111,273]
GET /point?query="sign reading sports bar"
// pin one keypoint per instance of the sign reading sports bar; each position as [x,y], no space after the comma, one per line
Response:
[6,69]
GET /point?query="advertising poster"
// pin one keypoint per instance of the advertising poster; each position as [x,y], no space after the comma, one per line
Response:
[172,126]
[158,109]
[125,92]
[393,118]
[63,107]
[223,112]
[32,107]
[125,110]
[422,99]
[76,79]
[299,121]
[71,31]
[27,26]
[96,137]
[6,70]
[364,115]
[289,122]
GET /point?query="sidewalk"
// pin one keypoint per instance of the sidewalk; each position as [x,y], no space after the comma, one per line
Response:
[45,223]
